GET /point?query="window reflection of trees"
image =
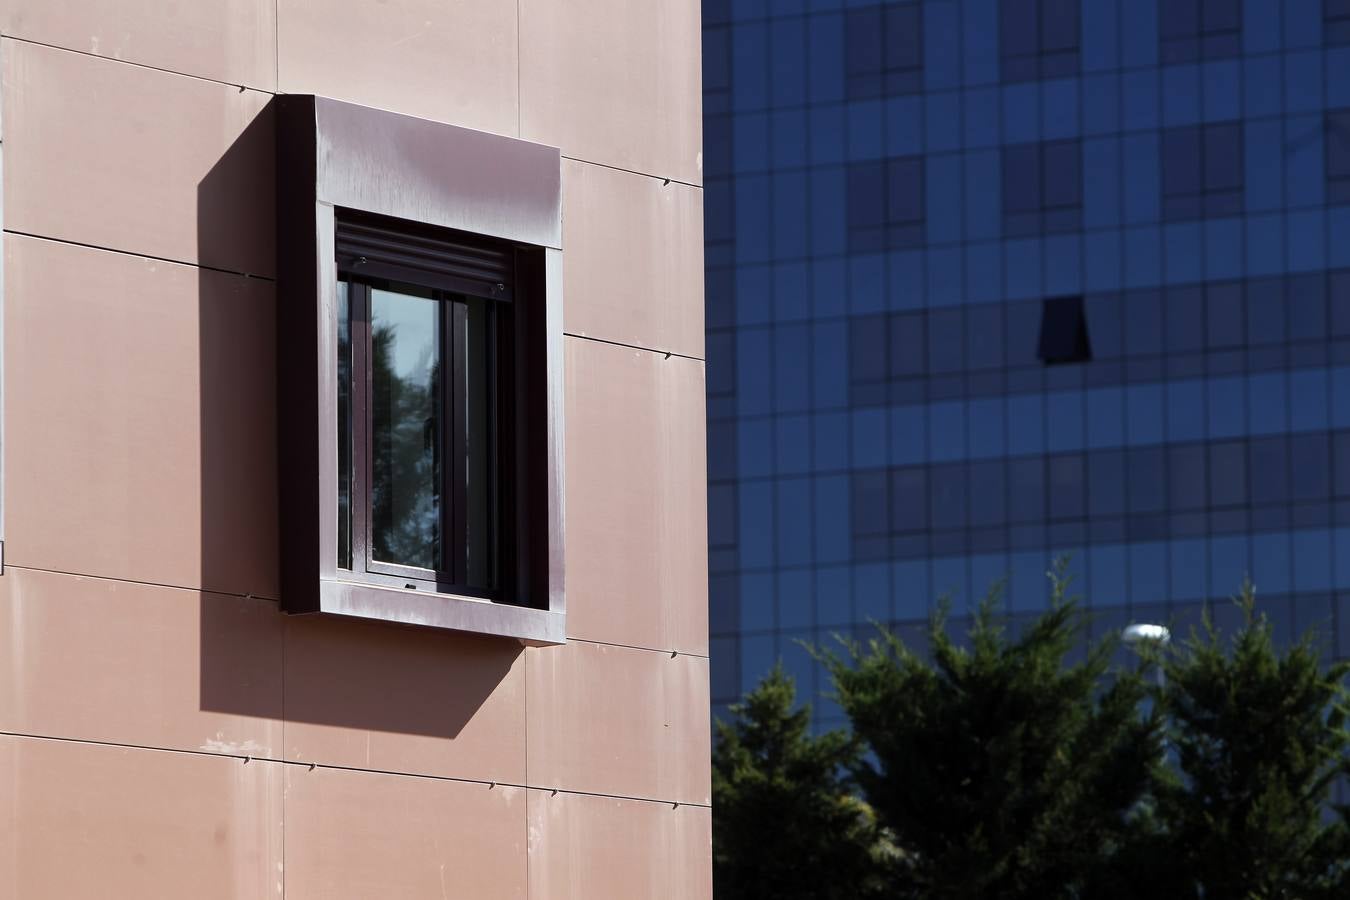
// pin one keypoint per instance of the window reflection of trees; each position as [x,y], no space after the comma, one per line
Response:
[405,463]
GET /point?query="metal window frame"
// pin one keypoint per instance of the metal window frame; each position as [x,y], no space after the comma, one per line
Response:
[337,159]
[451,575]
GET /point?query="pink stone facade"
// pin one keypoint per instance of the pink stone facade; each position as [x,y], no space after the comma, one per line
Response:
[165,731]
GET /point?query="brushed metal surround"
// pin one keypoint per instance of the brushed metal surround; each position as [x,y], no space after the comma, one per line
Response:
[333,155]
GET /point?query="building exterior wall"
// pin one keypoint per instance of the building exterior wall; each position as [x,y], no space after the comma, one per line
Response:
[880,429]
[164,730]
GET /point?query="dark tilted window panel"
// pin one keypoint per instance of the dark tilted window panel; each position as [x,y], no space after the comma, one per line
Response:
[421,446]
[1064,333]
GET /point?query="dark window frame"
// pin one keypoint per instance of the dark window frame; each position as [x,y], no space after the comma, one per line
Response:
[436,182]
[365,268]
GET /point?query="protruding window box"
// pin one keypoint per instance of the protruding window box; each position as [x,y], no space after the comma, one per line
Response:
[420,352]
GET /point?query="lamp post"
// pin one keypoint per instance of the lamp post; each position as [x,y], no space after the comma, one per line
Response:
[1144,633]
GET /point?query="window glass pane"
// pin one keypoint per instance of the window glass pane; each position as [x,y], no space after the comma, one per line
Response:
[1341,452]
[1026,483]
[987,493]
[867,349]
[1185,319]
[1106,483]
[1181,161]
[984,336]
[721,366]
[1143,323]
[907,344]
[1068,492]
[721,515]
[1024,334]
[344,417]
[909,500]
[1021,178]
[945,341]
[869,503]
[1227,474]
[904,37]
[716,59]
[1265,311]
[1223,157]
[1269,472]
[1186,476]
[1339,297]
[1222,15]
[1063,178]
[1224,310]
[1179,18]
[948,496]
[405,429]
[1059,25]
[866,194]
[863,52]
[1148,480]
[906,196]
[1338,144]
[1018,27]
[1307,299]
[1310,466]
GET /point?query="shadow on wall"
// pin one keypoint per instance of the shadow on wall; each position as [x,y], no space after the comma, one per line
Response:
[256,660]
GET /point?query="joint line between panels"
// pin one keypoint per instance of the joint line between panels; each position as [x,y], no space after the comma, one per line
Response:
[139,65]
[666,180]
[666,353]
[311,766]
[669,651]
[164,259]
[158,584]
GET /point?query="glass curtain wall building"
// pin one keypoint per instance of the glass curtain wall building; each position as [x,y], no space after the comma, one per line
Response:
[988,282]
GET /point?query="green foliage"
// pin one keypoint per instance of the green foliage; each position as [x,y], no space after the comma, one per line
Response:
[1012,766]
[786,824]
[1259,737]
[1002,769]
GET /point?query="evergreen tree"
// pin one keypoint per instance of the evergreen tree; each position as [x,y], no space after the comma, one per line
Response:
[1259,738]
[1001,770]
[786,825]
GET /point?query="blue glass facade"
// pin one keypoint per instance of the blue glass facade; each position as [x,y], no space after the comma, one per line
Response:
[992,281]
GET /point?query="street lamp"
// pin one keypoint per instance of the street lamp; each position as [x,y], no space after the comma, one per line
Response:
[1138,633]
